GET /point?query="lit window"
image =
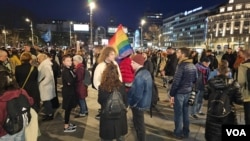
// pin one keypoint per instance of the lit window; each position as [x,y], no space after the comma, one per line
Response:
[238,6]
[231,1]
[230,8]
[248,6]
[222,9]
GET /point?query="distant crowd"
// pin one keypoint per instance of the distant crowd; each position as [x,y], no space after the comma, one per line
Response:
[122,84]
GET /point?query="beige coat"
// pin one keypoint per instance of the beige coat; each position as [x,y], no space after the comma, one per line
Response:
[242,79]
[32,130]
[98,73]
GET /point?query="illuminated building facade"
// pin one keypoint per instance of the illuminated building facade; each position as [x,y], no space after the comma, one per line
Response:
[187,29]
[230,27]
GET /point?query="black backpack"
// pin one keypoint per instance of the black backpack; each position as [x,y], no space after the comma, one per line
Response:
[114,106]
[87,78]
[18,115]
[219,104]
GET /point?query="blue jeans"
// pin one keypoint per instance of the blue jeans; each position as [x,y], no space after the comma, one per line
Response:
[197,107]
[200,100]
[83,106]
[16,137]
[181,115]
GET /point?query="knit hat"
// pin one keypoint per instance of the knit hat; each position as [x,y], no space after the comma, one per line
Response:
[139,59]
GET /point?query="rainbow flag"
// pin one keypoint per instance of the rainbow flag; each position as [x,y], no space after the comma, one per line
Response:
[120,42]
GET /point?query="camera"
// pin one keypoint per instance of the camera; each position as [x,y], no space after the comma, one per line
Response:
[191,99]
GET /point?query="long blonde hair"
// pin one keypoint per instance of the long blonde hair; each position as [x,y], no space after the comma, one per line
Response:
[105,53]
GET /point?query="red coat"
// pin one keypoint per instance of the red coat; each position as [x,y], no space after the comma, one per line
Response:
[8,95]
[126,70]
[81,89]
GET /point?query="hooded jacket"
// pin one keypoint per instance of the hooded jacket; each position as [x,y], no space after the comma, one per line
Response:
[242,79]
[184,78]
[213,124]
[4,98]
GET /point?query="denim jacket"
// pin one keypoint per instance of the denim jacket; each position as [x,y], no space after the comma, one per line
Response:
[140,94]
[184,78]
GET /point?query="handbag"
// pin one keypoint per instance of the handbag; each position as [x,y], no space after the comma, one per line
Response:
[31,69]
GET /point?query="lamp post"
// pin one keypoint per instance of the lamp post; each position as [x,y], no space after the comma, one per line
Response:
[5,39]
[36,39]
[70,33]
[142,23]
[31,28]
[91,7]
[4,32]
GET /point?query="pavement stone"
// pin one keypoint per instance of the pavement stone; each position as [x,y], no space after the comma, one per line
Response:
[158,128]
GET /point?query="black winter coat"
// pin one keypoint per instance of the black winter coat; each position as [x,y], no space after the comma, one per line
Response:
[110,128]
[31,86]
[68,89]
[171,65]
[213,125]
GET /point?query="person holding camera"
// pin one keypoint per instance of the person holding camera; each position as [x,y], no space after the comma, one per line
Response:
[203,73]
[184,79]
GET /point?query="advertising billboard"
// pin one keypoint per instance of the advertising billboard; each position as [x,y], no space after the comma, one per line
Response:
[114,29]
[81,27]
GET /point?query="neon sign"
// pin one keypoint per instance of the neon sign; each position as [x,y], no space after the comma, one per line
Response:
[192,11]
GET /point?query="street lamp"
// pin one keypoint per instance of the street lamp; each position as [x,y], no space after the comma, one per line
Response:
[142,23]
[91,7]
[31,28]
[70,33]
[5,39]
[159,43]
[36,39]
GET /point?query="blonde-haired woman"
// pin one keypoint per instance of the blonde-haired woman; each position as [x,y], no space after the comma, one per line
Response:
[222,65]
[107,56]
[46,84]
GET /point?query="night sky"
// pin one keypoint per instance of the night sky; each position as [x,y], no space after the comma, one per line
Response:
[126,12]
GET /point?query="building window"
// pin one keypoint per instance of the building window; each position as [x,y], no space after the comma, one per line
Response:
[230,8]
[238,6]
[248,6]
[222,9]
[231,1]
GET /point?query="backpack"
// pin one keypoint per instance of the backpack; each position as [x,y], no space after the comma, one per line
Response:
[87,78]
[219,105]
[18,114]
[154,99]
[248,79]
[114,107]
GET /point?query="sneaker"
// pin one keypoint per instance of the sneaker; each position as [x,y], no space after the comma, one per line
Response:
[72,125]
[69,129]
[177,137]
[80,115]
[202,114]
[98,116]
[194,116]
[47,117]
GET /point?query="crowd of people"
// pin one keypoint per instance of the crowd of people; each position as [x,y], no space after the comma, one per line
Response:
[182,71]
